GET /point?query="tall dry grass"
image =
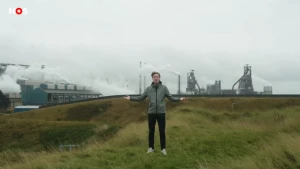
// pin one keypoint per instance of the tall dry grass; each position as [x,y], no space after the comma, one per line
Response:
[201,133]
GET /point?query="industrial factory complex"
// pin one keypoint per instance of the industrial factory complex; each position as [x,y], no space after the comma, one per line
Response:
[245,86]
[40,93]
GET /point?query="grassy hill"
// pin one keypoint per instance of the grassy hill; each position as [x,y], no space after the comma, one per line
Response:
[202,133]
[69,124]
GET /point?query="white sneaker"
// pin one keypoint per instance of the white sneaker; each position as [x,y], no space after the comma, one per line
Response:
[150,150]
[164,152]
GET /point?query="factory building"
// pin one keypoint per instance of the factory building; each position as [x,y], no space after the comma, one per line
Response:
[192,83]
[267,90]
[15,99]
[4,102]
[214,88]
[25,108]
[8,100]
[228,91]
[245,86]
[245,82]
[42,93]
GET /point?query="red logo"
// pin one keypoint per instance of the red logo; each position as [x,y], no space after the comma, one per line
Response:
[18,11]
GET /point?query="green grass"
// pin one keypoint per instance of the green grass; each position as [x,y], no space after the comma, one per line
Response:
[74,134]
[201,134]
[33,135]
[2,114]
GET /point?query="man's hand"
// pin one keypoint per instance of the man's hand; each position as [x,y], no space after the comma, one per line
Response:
[182,98]
[127,97]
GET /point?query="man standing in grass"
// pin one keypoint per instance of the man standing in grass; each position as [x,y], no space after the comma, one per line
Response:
[157,109]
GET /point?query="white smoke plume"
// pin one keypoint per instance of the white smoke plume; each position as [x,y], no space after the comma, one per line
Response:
[8,84]
[54,75]
[174,72]
[261,80]
[167,67]
[34,72]
[148,67]
[117,87]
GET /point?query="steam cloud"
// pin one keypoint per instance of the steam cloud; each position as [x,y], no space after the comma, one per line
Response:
[8,84]
[59,75]
[167,67]
[261,80]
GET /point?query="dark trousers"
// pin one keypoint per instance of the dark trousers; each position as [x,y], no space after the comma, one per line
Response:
[161,120]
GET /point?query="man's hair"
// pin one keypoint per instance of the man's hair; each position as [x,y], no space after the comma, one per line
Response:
[153,73]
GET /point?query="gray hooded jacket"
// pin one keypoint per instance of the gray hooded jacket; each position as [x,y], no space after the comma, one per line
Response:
[156,94]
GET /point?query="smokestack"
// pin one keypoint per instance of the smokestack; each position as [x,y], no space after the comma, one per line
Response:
[140,85]
[220,87]
[42,67]
[178,84]
[145,81]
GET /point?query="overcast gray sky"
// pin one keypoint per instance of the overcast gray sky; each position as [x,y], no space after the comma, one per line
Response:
[108,38]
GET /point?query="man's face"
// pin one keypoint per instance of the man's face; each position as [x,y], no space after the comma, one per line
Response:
[155,78]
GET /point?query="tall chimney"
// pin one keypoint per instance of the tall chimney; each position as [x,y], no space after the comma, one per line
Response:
[42,67]
[220,87]
[187,80]
[178,84]
[145,81]
[140,86]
